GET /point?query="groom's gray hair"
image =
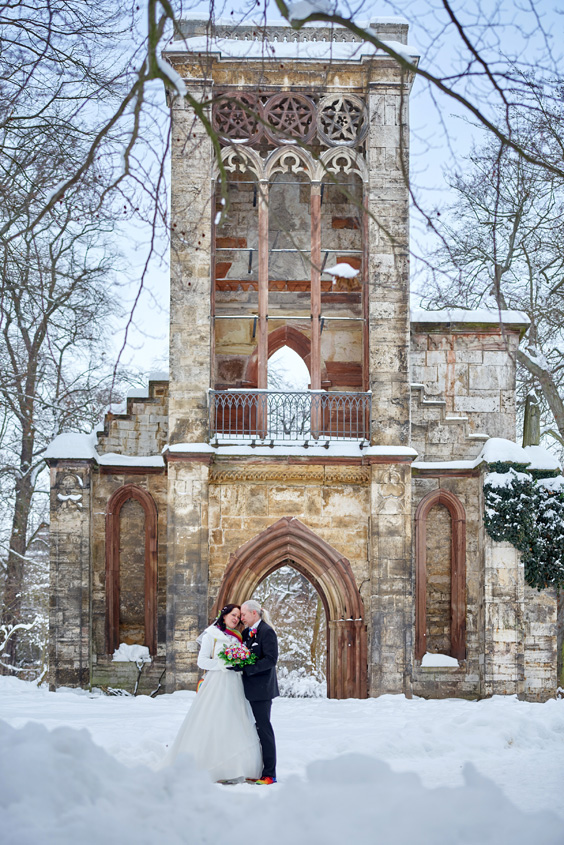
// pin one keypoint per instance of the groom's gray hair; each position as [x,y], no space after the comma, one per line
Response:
[262,612]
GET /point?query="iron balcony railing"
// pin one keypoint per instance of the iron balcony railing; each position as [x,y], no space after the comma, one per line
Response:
[289,415]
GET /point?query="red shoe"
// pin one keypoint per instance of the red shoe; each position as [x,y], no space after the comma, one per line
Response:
[265,781]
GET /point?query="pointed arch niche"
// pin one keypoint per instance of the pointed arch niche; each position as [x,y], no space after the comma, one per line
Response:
[457,612]
[290,542]
[126,494]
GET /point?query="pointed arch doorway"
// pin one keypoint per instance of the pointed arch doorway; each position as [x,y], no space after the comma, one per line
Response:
[291,542]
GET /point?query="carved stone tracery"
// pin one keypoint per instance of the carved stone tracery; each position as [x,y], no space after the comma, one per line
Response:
[342,120]
[339,120]
[289,117]
[238,118]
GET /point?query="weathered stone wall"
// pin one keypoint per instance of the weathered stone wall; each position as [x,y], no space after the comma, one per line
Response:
[69,599]
[540,644]
[468,379]
[143,430]
[390,609]
[132,573]
[337,511]
[504,600]
[438,537]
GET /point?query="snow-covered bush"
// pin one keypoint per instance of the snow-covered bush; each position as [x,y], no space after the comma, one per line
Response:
[528,512]
[297,683]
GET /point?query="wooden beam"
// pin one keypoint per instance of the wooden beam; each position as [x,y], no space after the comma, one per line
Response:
[315,210]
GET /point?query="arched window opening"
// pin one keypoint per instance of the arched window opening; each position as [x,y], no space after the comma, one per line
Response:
[289,407]
[300,621]
[440,575]
[131,569]
[287,371]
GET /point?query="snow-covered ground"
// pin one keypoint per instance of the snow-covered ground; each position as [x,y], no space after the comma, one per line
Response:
[384,770]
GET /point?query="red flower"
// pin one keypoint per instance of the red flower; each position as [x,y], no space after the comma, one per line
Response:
[252,632]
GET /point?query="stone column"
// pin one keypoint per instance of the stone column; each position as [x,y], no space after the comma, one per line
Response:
[388,266]
[192,212]
[69,601]
[391,577]
[190,279]
[504,587]
[187,570]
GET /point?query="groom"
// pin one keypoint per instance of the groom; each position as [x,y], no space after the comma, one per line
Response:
[259,681]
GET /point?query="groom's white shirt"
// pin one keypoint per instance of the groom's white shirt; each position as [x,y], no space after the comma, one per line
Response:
[255,626]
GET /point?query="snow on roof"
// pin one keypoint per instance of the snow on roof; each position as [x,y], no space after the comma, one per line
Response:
[82,447]
[476,315]
[431,465]
[274,50]
[73,446]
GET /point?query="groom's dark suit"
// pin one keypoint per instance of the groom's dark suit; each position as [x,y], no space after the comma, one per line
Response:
[261,686]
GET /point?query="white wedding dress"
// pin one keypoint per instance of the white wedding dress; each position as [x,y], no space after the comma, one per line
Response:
[219,730]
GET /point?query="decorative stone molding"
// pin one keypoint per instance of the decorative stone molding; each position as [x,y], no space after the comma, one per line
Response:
[311,474]
[244,160]
[339,120]
[339,159]
[289,160]
[115,503]
[458,571]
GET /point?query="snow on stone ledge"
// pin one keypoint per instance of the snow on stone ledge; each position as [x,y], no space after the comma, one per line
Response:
[73,446]
[342,271]
[438,660]
[82,447]
[131,654]
[115,460]
[336,449]
[477,315]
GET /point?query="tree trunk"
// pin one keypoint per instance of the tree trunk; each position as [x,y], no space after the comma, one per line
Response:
[548,387]
[13,585]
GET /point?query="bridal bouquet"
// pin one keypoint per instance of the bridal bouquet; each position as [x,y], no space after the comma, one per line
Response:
[237,655]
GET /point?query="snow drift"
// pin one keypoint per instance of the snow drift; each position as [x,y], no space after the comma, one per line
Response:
[59,788]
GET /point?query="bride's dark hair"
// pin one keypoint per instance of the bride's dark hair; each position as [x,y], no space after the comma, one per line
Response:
[220,621]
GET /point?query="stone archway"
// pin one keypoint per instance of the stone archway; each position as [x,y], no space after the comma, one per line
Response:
[289,541]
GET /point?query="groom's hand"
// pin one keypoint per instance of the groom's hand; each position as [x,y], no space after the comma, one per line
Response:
[235,668]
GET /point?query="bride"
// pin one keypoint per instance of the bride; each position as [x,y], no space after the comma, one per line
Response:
[219,731]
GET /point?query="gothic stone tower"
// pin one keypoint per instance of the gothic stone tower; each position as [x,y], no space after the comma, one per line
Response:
[197,491]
